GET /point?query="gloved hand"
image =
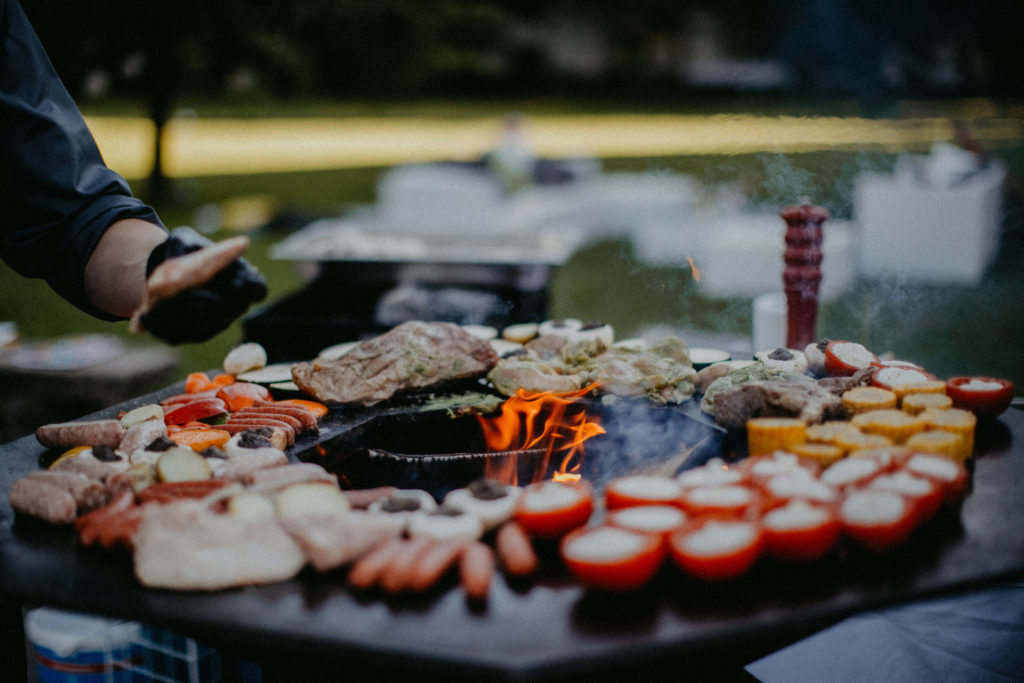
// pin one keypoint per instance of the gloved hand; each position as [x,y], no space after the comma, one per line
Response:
[199,313]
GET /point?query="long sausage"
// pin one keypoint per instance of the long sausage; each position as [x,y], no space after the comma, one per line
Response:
[397,576]
[515,551]
[43,500]
[307,418]
[260,414]
[432,564]
[367,570]
[476,567]
[88,493]
[81,433]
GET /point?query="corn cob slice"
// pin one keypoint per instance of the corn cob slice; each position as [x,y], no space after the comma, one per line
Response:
[953,420]
[826,432]
[851,442]
[939,442]
[915,404]
[862,399]
[822,453]
[895,424]
[929,387]
[768,434]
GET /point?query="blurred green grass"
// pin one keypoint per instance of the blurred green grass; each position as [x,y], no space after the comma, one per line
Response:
[949,329]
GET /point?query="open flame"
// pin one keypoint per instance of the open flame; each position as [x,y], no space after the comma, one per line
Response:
[534,420]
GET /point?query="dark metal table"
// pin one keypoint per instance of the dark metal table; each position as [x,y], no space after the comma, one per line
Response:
[549,628]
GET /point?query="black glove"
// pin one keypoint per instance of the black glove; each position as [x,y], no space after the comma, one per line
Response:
[197,314]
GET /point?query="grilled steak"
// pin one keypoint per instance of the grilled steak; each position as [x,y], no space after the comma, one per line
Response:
[781,398]
[412,355]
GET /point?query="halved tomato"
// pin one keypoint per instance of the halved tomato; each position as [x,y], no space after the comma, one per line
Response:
[717,549]
[639,489]
[843,358]
[986,397]
[800,531]
[612,558]
[878,520]
[549,509]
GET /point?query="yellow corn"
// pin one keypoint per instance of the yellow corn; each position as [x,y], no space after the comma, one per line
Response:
[939,442]
[863,399]
[915,404]
[895,424]
[852,442]
[769,434]
[929,387]
[826,432]
[953,420]
[822,453]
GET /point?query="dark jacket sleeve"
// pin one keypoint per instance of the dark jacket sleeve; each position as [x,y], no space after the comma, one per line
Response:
[57,196]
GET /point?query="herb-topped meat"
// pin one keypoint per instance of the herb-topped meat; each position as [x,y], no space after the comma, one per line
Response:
[413,355]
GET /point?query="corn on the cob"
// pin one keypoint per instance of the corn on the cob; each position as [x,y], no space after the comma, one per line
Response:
[895,424]
[953,420]
[939,442]
[769,434]
[826,432]
[862,399]
[854,441]
[915,404]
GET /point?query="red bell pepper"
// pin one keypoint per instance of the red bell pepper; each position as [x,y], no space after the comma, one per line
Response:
[611,558]
[877,520]
[800,531]
[200,409]
[716,549]
[550,509]
[986,397]
[636,489]
[240,395]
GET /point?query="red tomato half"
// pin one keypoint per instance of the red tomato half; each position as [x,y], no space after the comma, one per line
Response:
[878,520]
[636,489]
[611,558]
[924,494]
[800,531]
[716,549]
[657,520]
[984,396]
[549,509]
[843,358]
[888,376]
[950,475]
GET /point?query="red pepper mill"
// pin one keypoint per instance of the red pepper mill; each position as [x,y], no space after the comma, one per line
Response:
[802,275]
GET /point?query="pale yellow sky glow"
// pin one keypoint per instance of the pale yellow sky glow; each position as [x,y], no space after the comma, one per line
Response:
[202,147]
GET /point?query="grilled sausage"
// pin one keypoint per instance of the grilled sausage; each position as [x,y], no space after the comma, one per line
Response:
[42,499]
[88,493]
[307,418]
[367,569]
[476,567]
[236,425]
[398,575]
[432,564]
[515,552]
[81,433]
[260,413]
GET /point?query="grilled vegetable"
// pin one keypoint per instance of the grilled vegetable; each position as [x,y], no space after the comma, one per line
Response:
[915,404]
[199,438]
[769,434]
[986,397]
[199,409]
[892,423]
[877,520]
[863,399]
[243,394]
[659,520]
[611,558]
[800,531]
[956,421]
[551,509]
[637,489]
[717,550]
[843,358]
[182,464]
